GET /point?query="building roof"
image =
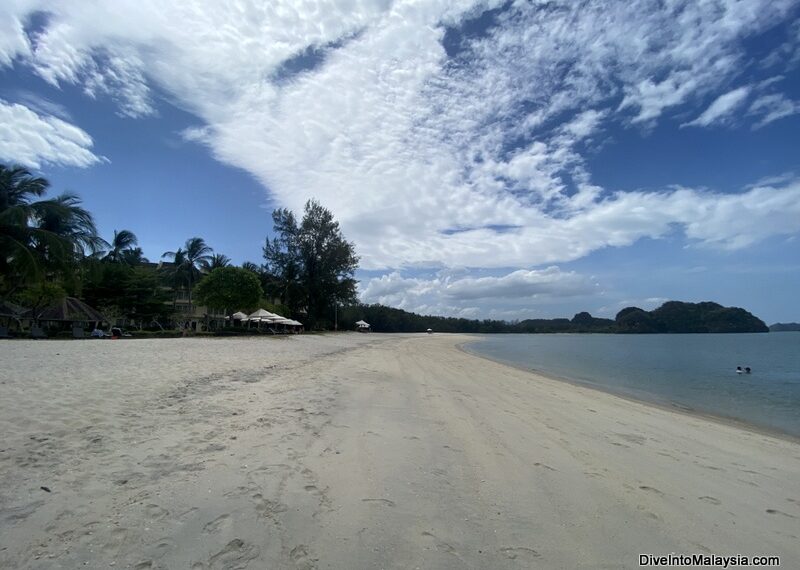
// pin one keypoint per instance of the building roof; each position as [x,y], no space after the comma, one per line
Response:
[9,309]
[70,309]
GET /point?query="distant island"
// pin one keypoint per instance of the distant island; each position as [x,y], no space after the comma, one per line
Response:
[784,327]
[671,317]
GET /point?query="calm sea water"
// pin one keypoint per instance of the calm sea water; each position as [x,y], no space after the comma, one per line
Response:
[693,371]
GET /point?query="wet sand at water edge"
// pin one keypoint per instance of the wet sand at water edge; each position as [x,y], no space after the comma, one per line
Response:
[357,451]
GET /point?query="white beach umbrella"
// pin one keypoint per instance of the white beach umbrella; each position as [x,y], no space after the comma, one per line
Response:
[239,316]
[263,316]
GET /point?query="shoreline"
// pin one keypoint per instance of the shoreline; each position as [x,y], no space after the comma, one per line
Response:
[668,407]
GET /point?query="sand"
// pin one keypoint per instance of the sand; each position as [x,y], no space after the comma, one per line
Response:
[361,451]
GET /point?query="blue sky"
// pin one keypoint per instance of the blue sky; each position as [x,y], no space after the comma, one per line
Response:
[489,159]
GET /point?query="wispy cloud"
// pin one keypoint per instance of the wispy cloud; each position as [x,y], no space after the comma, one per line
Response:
[771,108]
[42,105]
[722,108]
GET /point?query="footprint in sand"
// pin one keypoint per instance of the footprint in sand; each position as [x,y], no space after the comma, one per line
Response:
[236,554]
[777,512]
[302,558]
[155,512]
[651,490]
[216,524]
[440,544]
[15,514]
[712,500]
[632,438]
[268,508]
[163,546]
[514,552]
[118,538]
[386,502]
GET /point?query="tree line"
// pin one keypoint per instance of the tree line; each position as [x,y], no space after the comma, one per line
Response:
[50,249]
[671,317]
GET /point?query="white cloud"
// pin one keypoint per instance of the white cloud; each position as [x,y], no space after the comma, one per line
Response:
[519,284]
[33,139]
[771,108]
[473,160]
[13,42]
[722,107]
[516,294]
[734,221]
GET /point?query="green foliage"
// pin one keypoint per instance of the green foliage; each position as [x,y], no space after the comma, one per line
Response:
[132,292]
[188,262]
[39,238]
[230,288]
[713,318]
[40,295]
[635,320]
[732,320]
[584,322]
[122,248]
[680,317]
[388,319]
[217,260]
[310,265]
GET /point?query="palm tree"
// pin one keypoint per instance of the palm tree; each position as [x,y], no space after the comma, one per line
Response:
[250,266]
[18,187]
[218,260]
[123,241]
[188,263]
[133,256]
[36,236]
[65,217]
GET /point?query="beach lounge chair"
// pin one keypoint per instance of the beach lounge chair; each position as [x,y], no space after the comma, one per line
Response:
[78,332]
[37,332]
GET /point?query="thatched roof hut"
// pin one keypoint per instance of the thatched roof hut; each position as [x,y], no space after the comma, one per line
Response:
[8,309]
[70,309]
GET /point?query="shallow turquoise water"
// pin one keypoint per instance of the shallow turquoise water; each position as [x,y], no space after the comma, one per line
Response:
[693,371]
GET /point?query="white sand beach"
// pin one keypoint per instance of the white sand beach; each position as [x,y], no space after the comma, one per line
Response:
[361,451]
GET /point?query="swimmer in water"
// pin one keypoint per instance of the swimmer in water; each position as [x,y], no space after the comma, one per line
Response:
[738,370]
